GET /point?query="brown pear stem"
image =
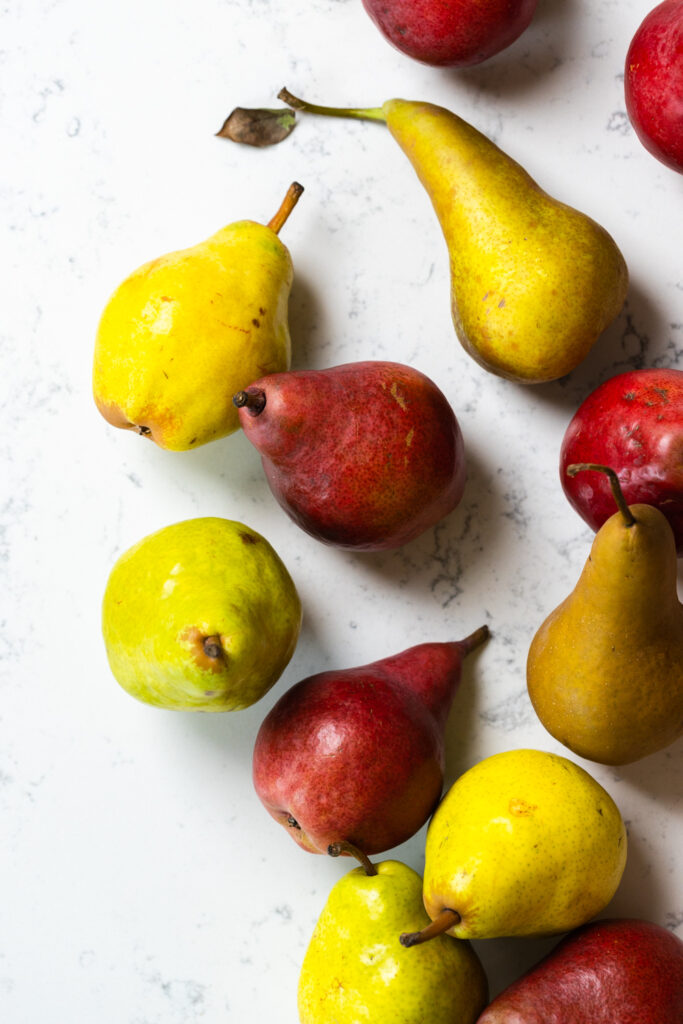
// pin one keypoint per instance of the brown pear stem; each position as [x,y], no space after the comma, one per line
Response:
[617,493]
[344,847]
[475,639]
[359,113]
[252,399]
[445,920]
[288,203]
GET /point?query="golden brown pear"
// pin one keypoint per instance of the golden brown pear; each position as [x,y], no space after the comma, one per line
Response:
[534,282]
[182,333]
[605,670]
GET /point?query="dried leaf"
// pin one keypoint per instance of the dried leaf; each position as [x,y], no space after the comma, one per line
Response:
[258,127]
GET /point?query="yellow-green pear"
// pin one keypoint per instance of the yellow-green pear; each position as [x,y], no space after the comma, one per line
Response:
[200,616]
[186,331]
[534,282]
[524,843]
[356,970]
[605,669]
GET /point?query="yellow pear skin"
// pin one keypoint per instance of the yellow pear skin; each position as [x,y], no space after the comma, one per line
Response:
[524,843]
[534,283]
[201,615]
[186,331]
[355,969]
[605,670]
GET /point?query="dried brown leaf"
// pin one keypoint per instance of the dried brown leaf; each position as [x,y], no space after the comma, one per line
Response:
[258,127]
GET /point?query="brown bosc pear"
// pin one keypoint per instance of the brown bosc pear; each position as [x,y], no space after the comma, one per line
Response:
[183,332]
[605,669]
[534,282]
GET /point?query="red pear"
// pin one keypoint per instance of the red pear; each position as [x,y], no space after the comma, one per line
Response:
[607,972]
[455,34]
[364,456]
[357,755]
[634,424]
[653,83]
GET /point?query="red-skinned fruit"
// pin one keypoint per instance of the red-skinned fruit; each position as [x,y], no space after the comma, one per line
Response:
[357,755]
[364,456]
[451,33]
[608,972]
[633,423]
[653,83]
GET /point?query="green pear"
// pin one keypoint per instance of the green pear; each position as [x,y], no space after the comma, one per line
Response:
[356,970]
[524,843]
[605,669]
[534,282]
[200,616]
[186,331]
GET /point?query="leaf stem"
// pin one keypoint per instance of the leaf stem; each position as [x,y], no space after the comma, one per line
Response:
[361,114]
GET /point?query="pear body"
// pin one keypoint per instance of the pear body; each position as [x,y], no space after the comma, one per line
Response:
[200,616]
[605,669]
[182,333]
[355,969]
[534,282]
[524,843]
[620,971]
[358,754]
[364,456]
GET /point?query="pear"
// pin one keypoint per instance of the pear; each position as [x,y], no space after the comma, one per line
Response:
[356,970]
[182,333]
[357,755]
[364,456]
[201,615]
[605,669]
[524,843]
[534,283]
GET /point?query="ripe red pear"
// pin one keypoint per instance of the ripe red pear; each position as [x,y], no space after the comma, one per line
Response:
[365,455]
[457,34]
[634,424]
[357,755]
[607,972]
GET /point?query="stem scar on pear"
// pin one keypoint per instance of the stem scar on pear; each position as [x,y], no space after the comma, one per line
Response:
[345,847]
[212,646]
[617,493]
[293,823]
[445,920]
[252,399]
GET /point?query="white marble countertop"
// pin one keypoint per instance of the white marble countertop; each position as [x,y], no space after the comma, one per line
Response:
[142,882]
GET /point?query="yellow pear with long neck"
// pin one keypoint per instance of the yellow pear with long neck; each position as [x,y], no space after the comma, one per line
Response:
[534,283]
[605,669]
[183,332]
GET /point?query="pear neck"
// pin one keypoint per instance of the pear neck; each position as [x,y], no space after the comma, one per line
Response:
[357,113]
[617,493]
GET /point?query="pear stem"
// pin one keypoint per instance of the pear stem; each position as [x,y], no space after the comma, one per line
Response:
[253,400]
[474,639]
[617,493]
[445,920]
[344,847]
[361,114]
[288,203]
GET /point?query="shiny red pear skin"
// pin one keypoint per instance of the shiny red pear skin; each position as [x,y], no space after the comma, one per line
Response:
[618,971]
[634,424]
[357,755]
[364,456]
[451,33]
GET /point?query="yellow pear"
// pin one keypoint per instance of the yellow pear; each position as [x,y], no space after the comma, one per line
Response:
[524,843]
[201,615]
[534,282]
[356,970]
[605,670]
[186,331]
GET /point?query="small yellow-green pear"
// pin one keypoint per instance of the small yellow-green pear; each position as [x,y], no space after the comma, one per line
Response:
[200,616]
[524,843]
[356,970]
[534,282]
[186,331]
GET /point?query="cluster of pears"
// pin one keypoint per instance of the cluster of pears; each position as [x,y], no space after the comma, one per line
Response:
[204,615]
